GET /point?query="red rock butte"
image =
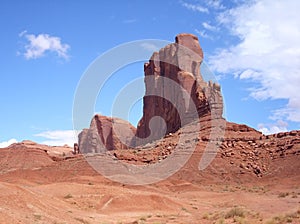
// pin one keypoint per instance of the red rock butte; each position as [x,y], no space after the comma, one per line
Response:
[177,63]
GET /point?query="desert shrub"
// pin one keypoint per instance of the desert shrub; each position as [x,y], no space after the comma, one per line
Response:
[205,216]
[283,194]
[220,221]
[235,212]
[288,218]
[68,196]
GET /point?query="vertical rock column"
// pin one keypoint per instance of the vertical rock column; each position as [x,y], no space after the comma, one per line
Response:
[179,62]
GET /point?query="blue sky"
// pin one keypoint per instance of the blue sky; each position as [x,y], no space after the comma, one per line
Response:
[251,46]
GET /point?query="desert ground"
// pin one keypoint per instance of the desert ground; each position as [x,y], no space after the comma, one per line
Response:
[42,184]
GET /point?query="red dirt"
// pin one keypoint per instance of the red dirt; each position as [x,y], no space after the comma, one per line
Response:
[35,188]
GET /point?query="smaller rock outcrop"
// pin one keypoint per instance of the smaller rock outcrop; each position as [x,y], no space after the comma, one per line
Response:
[28,155]
[104,134]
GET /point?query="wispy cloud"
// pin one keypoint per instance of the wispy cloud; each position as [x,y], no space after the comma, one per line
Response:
[202,33]
[279,126]
[268,51]
[194,7]
[58,137]
[38,45]
[209,27]
[150,47]
[215,4]
[7,143]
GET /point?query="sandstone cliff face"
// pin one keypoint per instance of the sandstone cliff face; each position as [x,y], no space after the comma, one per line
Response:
[176,94]
[179,62]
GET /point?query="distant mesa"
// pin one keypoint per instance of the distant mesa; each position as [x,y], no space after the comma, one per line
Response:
[175,91]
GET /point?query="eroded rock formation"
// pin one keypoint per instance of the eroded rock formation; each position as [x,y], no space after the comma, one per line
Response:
[176,94]
[179,62]
[104,134]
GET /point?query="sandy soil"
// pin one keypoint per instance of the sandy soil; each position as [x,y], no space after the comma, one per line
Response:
[70,191]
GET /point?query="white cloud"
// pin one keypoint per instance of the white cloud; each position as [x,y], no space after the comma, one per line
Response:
[202,33]
[290,112]
[209,26]
[7,143]
[216,4]
[22,33]
[279,126]
[268,51]
[58,137]
[150,47]
[39,44]
[194,7]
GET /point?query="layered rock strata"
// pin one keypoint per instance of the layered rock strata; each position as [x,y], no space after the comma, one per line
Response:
[176,94]
[179,104]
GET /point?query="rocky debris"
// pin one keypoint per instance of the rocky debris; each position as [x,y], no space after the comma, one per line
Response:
[179,62]
[253,151]
[242,149]
[149,153]
[104,134]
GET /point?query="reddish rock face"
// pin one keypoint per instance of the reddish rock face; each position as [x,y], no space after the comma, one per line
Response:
[179,62]
[176,94]
[106,133]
